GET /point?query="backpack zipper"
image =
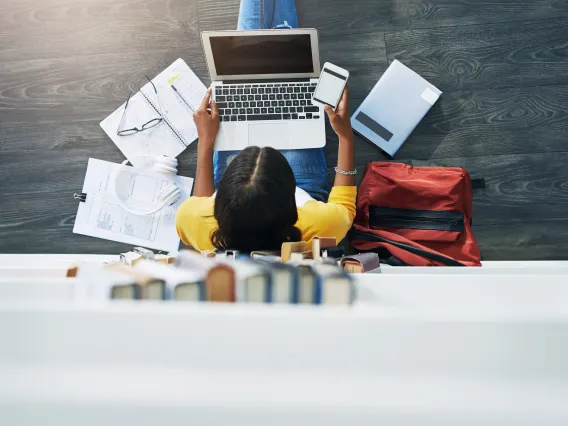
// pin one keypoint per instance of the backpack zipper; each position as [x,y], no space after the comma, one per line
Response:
[438,220]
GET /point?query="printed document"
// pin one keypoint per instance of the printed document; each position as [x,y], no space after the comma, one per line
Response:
[101,216]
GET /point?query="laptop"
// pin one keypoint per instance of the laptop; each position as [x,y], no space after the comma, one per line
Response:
[263,82]
[408,96]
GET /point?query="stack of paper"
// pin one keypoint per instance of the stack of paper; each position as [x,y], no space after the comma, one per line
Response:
[101,216]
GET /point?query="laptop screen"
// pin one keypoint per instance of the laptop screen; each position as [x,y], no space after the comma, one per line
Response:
[262,54]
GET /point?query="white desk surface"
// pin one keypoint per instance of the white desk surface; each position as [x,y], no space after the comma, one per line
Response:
[156,364]
[16,260]
[436,347]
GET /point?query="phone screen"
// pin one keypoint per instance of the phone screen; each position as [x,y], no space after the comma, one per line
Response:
[330,87]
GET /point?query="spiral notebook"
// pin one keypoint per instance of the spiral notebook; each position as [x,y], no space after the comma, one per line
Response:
[179,93]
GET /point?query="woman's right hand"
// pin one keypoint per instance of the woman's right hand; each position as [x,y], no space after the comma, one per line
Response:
[207,129]
[339,119]
[207,123]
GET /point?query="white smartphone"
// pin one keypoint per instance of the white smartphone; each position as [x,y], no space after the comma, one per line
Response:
[330,87]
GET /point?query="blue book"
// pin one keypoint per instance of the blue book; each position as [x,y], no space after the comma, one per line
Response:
[181,284]
[334,286]
[284,279]
[253,281]
[308,282]
[324,283]
[194,291]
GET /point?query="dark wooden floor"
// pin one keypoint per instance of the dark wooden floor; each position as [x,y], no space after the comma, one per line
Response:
[502,65]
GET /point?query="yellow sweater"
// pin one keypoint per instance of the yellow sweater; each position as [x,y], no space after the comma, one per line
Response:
[196,223]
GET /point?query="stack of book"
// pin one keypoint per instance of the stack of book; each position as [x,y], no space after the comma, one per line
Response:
[294,275]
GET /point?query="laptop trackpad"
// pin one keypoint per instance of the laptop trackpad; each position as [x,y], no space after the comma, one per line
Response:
[269,134]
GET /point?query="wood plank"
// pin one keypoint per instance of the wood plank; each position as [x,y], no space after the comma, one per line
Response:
[523,241]
[41,29]
[502,121]
[346,16]
[59,136]
[44,174]
[363,55]
[35,222]
[215,15]
[81,88]
[520,188]
[57,239]
[486,56]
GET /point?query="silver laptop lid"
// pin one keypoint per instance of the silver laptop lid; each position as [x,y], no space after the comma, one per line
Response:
[262,54]
[408,96]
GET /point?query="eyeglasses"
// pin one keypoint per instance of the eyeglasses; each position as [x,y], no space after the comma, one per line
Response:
[148,125]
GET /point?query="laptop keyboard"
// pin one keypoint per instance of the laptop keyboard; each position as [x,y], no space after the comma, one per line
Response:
[271,101]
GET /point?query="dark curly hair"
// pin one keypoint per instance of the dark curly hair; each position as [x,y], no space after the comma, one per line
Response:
[255,206]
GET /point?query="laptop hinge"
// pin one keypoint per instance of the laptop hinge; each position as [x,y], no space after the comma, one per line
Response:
[279,80]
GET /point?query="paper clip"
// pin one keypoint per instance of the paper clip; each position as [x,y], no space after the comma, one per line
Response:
[82,197]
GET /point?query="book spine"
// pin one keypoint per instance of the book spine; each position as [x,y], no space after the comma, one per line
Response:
[295,288]
[353,292]
[268,289]
[318,289]
[177,134]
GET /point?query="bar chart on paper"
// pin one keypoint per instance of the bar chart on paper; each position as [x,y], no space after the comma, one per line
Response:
[102,216]
[113,218]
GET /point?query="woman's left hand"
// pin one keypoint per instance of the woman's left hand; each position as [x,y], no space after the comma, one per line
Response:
[207,123]
[339,119]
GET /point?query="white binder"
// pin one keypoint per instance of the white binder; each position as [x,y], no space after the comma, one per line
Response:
[395,106]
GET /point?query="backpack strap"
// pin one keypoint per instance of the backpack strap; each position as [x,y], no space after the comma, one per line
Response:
[395,261]
[478,183]
[448,261]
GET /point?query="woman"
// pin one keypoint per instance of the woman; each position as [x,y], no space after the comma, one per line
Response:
[266,197]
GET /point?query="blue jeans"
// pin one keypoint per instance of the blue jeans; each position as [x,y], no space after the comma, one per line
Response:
[309,165]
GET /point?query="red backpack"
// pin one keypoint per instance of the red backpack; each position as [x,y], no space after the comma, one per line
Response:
[416,215]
